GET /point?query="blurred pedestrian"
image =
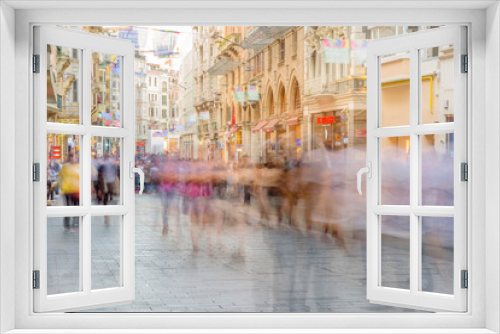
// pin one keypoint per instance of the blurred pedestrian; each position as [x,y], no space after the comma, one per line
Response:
[69,180]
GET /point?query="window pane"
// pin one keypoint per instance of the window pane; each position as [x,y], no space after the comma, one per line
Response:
[106,249]
[395,89]
[395,170]
[63,84]
[437,84]
[437,254]
[106,97]
[63,255]
[395,241]
[437,170]
[63,169]
[106,185]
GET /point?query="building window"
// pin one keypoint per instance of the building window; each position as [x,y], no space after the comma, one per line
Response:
[294,43]
[312,65]
[282,50]
[298,99]
[269,58]
[282,98]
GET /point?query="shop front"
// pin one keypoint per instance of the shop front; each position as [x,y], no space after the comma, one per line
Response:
[294,149]
[330,129]
[272,148]
[234,143]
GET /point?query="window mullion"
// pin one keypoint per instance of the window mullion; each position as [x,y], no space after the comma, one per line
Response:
[414,171]
[85,175]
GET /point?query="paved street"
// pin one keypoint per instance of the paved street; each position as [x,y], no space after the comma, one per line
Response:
[246,268]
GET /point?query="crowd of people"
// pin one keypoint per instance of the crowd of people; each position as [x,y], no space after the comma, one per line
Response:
[63,183]
[315,193]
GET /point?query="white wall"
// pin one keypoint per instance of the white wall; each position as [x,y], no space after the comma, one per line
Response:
[492,164]
[7,157]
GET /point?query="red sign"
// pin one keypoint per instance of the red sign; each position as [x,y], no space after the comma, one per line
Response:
[56,152]
[360,133]
[326,120]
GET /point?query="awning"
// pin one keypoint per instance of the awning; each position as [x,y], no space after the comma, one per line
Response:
[224,65]
[236,128]
[259,126]
[270,126]
[262,36]
[292,121]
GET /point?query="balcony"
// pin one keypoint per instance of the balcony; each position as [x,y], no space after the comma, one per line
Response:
[224,65]
[228,41]
[346,85]
[340,86]
[261,37]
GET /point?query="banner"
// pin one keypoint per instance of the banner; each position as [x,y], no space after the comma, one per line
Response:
[179,127]
[339,50]
[336,50]
[358,50]
[253,93]
[239,93]
[164,43]
[131,35]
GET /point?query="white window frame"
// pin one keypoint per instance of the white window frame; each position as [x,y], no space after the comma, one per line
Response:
[484,103]
[415,211]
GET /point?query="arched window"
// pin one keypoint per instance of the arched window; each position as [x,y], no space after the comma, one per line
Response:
[270,103]
[282,99]
[297,99]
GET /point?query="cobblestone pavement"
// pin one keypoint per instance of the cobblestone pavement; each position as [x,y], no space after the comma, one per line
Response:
[249,267]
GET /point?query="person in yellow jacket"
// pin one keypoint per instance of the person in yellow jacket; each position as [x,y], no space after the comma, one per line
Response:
[69,181]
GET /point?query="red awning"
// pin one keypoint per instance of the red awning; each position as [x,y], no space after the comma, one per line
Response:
[236,128]
[259,126]
[269,127]
[141,144]
[292,121]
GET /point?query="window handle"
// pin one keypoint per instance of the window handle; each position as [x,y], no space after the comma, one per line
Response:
[368,171]
[139,171]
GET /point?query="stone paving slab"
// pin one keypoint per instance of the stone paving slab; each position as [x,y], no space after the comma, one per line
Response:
[247,267]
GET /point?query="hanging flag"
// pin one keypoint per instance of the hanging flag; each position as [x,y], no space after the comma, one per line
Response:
[129,34]
[337,50]
[239,93]
[233,119]
[253,93]
[358,50]
[164,44]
